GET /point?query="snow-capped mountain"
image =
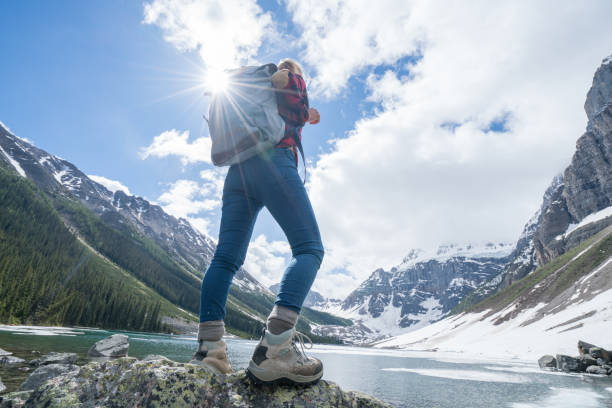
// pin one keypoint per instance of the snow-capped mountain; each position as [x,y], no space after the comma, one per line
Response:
[578,202]
[424,288]
[570,299]
[557,286]
[189,247]
[314,299]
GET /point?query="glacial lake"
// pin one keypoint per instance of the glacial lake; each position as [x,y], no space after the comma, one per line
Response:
[404,379]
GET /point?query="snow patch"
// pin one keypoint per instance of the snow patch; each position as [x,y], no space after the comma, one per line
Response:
[470,334]
[14,163]
[566,398]
[599,215]
[6,127]
[470,375]
[448,251]
[41,330]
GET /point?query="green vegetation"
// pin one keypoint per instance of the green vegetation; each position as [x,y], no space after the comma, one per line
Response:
[114,278]
[567,273]
[136,254]
[47,276]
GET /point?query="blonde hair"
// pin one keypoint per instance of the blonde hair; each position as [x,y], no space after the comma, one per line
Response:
[291,65]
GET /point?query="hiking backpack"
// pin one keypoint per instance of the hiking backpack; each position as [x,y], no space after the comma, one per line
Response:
[243,119]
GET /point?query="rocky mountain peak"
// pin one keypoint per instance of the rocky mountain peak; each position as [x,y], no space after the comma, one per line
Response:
[600,94]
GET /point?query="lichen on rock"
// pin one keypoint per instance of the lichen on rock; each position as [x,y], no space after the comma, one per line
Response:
[128,382]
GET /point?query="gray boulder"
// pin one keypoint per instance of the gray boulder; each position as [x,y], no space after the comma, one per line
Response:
[127,382]
[2,386]
[569,364]
[587,360]
[5,353]
[594,369]
[55,358]
[7,361]
[584,347]
[46,372]
[547,362]
[599,353]
[114,346]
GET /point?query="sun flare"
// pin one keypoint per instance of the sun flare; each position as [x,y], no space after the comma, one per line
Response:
[216,81]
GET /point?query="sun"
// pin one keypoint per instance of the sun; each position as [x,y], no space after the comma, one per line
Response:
[216,81]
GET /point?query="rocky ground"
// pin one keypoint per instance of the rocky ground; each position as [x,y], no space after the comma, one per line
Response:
[155,381]
[592,360]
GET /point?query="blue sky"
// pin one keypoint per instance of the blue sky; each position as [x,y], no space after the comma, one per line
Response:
[91,83]
[434,122]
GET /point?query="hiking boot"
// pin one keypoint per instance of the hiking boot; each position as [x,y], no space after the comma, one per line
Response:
[212,355]
[278,358]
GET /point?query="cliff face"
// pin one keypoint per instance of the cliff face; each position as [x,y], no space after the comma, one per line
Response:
[587,186]
[577,204]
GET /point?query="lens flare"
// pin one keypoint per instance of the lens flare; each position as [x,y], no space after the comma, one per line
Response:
[216,81]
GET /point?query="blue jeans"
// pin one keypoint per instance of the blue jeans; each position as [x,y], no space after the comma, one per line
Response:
[271,180]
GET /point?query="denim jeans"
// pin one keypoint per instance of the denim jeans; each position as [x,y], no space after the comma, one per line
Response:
[271,180]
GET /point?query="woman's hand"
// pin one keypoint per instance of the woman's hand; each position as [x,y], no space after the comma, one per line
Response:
[313,116]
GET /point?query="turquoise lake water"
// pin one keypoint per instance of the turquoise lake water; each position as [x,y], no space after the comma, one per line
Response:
[405,379]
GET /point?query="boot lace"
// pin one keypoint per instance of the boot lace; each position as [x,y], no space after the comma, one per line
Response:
[298,338]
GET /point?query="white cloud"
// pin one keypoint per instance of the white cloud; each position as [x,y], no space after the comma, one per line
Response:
[424,169]
[111,185]
[174,143]
[195,200]
[186,197]
[224,32]
[267,260]
[343,37]
[201,224]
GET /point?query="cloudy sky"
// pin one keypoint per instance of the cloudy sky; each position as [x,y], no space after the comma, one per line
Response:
[441,121]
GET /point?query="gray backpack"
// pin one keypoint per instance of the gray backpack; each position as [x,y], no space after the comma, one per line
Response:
[243,120]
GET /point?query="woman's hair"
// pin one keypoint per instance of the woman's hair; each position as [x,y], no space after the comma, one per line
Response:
[291,65]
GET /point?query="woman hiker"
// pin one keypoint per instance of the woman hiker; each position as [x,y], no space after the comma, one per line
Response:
[269,180]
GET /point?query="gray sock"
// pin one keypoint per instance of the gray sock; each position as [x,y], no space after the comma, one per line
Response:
[211,330]
[281,319]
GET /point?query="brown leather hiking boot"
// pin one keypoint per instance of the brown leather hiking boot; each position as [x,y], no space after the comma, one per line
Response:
[277,358]
[213,355]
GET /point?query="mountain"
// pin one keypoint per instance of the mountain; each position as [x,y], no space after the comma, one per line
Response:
[48,275]
[577,204]
[155,250]
[558,285]
[546,312]
[314,299]
[424,288]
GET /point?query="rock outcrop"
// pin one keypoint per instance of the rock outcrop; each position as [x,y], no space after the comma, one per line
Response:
[8,361]
[592,360]
[55,358]
[114,346]
[587,181]
[46,372]
[127,382]
[583,190]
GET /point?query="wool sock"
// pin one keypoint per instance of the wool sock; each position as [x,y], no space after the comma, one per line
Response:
[281,319]
[211,330]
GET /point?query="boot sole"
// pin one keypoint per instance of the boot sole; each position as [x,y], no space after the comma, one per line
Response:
[261,376]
